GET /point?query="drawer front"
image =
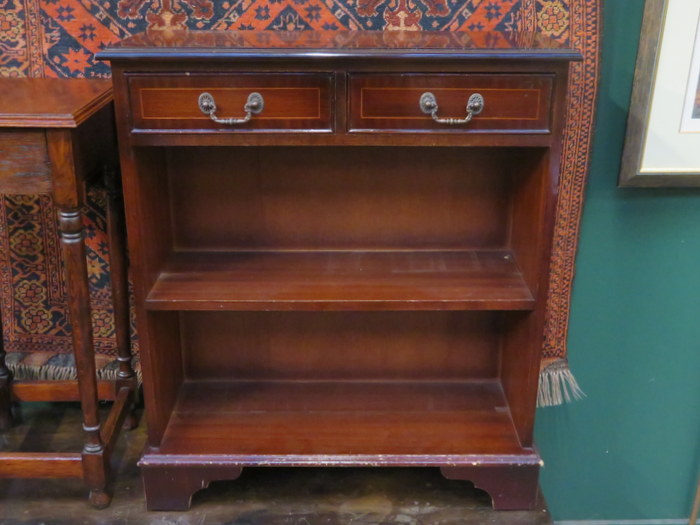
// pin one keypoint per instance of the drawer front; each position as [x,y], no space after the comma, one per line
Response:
[511,103]
[291,102]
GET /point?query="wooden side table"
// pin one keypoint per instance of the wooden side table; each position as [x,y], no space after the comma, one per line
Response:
[56,134]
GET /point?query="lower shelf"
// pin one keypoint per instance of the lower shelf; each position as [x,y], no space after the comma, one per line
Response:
[341,423]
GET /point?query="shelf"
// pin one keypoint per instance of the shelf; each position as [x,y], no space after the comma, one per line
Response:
[341,280]
[290,422]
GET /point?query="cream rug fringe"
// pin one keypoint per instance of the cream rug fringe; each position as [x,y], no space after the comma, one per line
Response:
[59,373]
[557,385]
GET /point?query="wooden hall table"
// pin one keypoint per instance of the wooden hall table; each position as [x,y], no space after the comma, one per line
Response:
[56,134]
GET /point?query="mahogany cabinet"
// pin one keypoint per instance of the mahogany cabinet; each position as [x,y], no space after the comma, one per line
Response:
[340,247]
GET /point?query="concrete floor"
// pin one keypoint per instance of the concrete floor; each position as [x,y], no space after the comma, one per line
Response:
[260,496]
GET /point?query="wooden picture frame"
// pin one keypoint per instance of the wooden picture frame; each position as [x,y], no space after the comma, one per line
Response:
[661,149]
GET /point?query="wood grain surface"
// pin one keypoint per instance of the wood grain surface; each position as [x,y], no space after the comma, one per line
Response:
[336,419]
[512,103]
[258,45]
[338,280]
[50,102]
[292,101]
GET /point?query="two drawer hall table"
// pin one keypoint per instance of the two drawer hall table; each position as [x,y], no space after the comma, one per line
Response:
[341,246]
[56,135]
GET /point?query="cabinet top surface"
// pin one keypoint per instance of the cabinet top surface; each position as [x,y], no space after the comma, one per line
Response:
[330,44]
[50,102]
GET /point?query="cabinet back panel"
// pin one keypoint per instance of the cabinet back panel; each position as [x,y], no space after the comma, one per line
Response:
[341,345]
[338,198]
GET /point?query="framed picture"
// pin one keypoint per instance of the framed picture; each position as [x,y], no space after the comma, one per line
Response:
[662,144]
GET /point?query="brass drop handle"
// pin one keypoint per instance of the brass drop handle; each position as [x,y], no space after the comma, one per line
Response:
[254,105]
[428,104]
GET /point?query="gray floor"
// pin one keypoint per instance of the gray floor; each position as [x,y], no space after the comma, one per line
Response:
[259,496]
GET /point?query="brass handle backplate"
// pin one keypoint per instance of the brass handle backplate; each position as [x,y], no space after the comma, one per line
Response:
[254,105]
[428,104]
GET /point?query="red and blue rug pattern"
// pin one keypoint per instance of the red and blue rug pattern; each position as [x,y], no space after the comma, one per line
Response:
[36,327]
[58,38]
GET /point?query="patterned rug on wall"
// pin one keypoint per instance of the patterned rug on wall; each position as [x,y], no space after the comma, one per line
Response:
[58,38]
[36,328]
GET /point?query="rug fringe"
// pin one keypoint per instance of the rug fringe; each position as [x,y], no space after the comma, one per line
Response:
[60,373]
[557,385]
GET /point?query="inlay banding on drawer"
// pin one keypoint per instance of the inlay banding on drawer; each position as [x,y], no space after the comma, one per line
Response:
[513,103]
[292,102]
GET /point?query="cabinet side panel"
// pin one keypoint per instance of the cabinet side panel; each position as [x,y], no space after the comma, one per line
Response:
[161,359]
[532,229]
[528,235]
[147,210]
[158,334]
[524,333]
[148,223]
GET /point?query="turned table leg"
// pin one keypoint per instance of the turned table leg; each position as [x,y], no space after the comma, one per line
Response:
[116,233]
[95,467]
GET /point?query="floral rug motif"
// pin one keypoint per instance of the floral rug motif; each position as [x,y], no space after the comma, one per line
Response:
[36,330]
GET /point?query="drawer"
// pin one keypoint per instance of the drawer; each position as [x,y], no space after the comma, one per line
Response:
[512,103]
[290,102]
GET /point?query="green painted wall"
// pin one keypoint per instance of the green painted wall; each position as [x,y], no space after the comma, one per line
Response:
[631,449]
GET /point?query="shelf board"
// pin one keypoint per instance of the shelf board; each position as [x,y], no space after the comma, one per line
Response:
[343,422]
[341,280]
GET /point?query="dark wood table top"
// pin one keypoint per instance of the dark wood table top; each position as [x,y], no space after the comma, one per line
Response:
[51,102]
[208,44]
